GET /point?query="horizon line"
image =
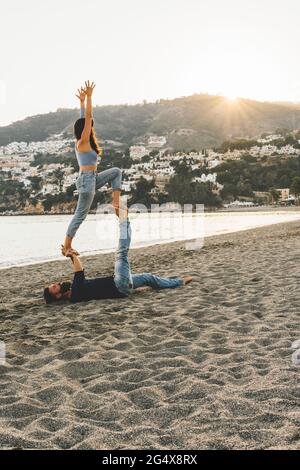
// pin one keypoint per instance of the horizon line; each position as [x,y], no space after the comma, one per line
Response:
[144,102]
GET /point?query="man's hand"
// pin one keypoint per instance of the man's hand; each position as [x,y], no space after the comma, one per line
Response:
[68,252]
[73,255]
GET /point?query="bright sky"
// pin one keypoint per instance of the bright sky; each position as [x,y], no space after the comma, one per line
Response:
[145,49]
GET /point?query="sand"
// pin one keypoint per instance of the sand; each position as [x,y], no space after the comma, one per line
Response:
[206,366]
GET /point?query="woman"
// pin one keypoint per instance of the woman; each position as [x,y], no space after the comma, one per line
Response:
[87,151]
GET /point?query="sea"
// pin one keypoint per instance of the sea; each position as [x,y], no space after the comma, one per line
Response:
[33,239]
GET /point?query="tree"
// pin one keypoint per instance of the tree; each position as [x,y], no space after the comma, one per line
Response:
[70,190]
[295,187]
[275,195]
[249,158]
[182,168]
[289,140]
[146,159]
[229,192]
[36,183]
[47,204]
[58,178]
[13,194]
[141,193]
[182,190]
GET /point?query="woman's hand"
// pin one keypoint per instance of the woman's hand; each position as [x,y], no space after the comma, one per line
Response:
[68,252]
[81,94]
[89,88]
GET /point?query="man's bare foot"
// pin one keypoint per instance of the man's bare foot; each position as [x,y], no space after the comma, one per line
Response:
[187,280]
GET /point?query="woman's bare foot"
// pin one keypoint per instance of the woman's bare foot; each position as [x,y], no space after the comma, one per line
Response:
[68,245]
[65,249]
[187,280]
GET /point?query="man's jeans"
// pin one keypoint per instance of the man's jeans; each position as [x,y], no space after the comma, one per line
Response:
[124,280]
[87,183]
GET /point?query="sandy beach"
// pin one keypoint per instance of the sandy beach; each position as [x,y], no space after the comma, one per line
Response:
[206,366]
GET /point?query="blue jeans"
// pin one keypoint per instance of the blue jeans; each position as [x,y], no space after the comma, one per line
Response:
[87,183]
[124,280]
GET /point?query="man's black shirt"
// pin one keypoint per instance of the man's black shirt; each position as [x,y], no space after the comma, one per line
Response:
[93,289]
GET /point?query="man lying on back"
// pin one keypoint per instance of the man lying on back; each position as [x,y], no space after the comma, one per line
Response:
[121,284]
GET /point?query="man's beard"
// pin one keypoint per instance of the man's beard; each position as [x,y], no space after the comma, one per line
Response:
[65,287]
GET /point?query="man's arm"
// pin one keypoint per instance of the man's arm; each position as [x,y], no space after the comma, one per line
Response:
[79,278]
[70,253]
[77,266]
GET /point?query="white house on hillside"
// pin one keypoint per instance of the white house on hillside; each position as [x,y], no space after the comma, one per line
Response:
[157,141]
[138,151]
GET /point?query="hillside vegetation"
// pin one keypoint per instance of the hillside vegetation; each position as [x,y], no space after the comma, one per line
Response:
[193,122]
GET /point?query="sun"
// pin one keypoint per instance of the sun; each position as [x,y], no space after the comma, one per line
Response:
[231,97]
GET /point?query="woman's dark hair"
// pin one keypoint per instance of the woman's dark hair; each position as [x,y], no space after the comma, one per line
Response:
[78,129]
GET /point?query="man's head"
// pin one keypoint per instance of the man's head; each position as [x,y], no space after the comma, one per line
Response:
[57,291]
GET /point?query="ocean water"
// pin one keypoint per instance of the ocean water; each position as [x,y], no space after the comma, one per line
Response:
[32,239]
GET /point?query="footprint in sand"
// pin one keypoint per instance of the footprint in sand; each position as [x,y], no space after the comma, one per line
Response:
[296,354]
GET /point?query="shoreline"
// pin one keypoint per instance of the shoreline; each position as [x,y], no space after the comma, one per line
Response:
[208,211]
[108,251]
[204,366]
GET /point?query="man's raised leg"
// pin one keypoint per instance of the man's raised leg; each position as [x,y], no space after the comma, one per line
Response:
[123,277]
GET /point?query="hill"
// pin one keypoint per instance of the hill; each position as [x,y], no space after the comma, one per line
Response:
[192,122]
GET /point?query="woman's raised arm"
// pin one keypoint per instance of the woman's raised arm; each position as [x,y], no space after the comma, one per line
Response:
[81,95]
[85,136]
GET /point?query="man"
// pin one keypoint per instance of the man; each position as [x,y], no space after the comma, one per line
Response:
[117,286]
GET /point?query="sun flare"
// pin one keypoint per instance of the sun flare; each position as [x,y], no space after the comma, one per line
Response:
[231,97]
